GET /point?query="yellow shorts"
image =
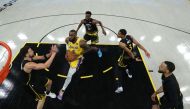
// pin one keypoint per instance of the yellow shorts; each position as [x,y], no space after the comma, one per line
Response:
[76,63]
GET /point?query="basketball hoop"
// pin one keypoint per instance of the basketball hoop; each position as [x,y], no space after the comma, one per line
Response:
[5,69]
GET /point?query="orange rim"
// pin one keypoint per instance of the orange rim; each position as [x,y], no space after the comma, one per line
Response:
[5,70]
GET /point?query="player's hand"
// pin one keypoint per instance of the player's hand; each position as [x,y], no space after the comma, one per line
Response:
[153,97]
[104,32]
[147,54]
[54,49]
[155,106]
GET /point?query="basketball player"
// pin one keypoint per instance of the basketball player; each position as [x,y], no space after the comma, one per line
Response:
[91,28]
[76,48]
[36,83]
[127,56]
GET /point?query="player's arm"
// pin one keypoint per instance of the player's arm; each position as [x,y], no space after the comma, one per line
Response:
[67,40]
[39,66]
[160,90]
[141,47]
[80,24]
[46,56]
[101,25]
[123,46]
[86,47]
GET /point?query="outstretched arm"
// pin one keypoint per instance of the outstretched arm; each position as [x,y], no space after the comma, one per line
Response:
[80,24]
[46,56]
[42,57]
[141,47]
[101,25]
[34,66]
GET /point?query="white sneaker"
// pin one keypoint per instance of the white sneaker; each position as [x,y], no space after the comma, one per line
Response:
[119,90]
[51,95]
[129,75]
[60,96]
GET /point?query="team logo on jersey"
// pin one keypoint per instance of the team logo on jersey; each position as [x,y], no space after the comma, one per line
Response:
[73,47]
[128,41]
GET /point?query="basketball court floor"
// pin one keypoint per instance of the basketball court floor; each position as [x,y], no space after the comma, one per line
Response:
[162,27]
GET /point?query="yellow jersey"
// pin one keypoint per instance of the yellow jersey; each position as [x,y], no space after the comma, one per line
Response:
[77,49]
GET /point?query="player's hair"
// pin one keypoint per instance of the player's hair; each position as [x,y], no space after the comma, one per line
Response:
[88,12]
[73,31]
[123,31]
[170,66]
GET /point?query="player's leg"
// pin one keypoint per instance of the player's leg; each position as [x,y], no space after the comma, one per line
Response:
[48,88]
[94,38]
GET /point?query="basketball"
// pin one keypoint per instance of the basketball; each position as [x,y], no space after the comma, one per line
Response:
[70,56]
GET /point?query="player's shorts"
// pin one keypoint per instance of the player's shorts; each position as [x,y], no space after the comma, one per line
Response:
[76,63]
[93,37]
[123,61]
[37,85]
